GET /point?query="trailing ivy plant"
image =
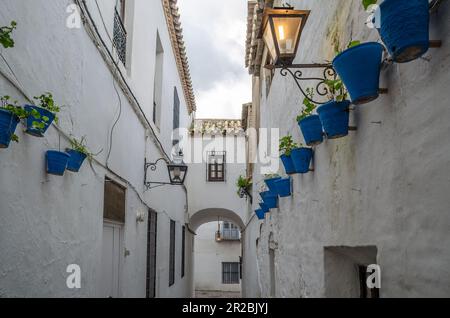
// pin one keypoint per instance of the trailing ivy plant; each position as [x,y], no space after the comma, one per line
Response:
[5,35]
[287,144]
[45,101]
[244,185]
[309,106]
[15,109]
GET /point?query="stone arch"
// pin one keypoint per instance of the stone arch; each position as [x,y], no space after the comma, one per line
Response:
[211,215]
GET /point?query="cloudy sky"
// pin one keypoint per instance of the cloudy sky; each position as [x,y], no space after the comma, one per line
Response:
[214,33]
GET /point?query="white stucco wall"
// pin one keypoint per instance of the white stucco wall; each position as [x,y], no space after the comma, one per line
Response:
[210,196]
[384,185]
[209,256]
[48,222]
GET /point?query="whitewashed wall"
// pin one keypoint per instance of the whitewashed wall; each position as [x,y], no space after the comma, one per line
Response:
[208,258]
[384,185]
[47,222]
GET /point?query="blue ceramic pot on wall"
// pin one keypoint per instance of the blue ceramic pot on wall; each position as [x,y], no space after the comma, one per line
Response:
[270,198]
[44,113]
[264,207]
[284,187]
[8,125]
[359,68]
[271,184]
[312,131]
[288,164]
[301,158]
[405,28]
[335,118]
[260,214]
[56,162]
[76,160]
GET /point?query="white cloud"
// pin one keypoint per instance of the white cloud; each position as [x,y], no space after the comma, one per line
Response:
[215,33]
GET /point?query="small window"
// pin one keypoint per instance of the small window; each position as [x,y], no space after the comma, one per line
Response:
[216,166]
[114,202]
[172,253]
[230,232]
[176,117]
[230,273]
[119,32]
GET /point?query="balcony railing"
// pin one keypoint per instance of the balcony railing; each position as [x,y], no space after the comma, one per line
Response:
[230,235]
[120,38]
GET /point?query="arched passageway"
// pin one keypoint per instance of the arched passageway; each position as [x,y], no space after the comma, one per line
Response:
[217,259]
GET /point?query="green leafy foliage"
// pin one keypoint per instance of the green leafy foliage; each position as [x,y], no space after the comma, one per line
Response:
[337,90]
[5,35]
[45,101]
[243,184]
[15,109]
[271,176]
[80,146]
[287,144]
[367,3]
[309,105]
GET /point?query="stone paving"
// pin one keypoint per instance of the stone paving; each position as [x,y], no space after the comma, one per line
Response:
[216,294]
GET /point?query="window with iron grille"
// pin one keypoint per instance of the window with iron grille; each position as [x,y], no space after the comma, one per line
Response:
[151,254]
[230,273]
[230,231]
[216,166]
[119,32]
[172,254]
[176,116]
[183,250]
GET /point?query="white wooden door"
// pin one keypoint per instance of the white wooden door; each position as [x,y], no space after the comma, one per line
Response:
[112,242]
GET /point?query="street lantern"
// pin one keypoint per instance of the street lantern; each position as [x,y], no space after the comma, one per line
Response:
[177,170]
[281,31]
[177,173]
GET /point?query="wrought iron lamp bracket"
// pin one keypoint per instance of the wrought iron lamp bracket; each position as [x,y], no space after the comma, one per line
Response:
[320,89]
[153,166]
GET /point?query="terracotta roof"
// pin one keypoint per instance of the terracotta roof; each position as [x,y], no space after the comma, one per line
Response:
[176,36]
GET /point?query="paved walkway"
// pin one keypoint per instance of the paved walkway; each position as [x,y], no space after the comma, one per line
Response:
[216,294]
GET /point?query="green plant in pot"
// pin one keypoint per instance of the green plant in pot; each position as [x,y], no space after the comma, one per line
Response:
[78,153]
[10,115]
[244,185]
[41,116]
[5,35]
[287,144]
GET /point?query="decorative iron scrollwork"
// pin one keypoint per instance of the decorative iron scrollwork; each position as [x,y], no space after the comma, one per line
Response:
[321,88]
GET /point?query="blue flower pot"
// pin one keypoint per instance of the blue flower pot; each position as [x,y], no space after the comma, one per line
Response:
[264,207]
[76,160]
[8,124]
[301,158]
[270,199]
[312,131]
[271,184]
[359,68]
[260,214]
[37,132]
[284,187]
[335,118]
[288,164]
[405,28]
[56,162]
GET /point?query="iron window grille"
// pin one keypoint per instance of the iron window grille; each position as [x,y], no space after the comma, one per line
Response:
[216,166]
[230,273]
[230,232]
[172,254]
[151,254]
[120,37]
